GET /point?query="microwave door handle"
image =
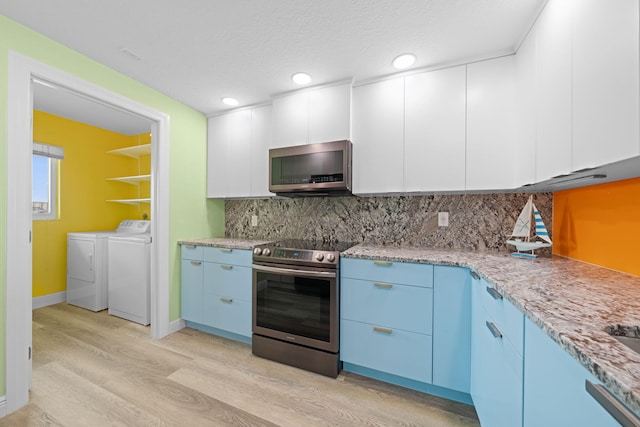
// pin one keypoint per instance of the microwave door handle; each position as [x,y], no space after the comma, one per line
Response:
[279,270]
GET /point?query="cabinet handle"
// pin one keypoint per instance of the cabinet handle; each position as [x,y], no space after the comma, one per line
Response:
[195,263]
[383,330]
[474,275]
[226,267]
[383,285]
[610,404]
[383,263]
[494,330]
[494,294]
[190,246]
[226,250]
[227,300]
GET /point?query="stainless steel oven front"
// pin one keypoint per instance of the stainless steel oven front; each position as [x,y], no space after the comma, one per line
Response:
[296,307]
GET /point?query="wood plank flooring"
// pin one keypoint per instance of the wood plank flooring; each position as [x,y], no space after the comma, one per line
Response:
[92,369]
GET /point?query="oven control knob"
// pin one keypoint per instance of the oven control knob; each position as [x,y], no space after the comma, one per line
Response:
[266,252]
[319,256]
[331,257]
[257,251]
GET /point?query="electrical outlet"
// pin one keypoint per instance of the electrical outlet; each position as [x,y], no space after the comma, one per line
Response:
[443,219]
[254,220]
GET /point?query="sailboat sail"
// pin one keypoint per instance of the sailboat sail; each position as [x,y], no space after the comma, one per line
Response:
[523,223]
[541,229]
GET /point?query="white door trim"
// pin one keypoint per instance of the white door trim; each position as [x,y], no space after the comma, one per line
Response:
[18,254]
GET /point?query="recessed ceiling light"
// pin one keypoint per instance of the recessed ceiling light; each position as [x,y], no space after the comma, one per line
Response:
[301,78]
[403,61]
[230,101]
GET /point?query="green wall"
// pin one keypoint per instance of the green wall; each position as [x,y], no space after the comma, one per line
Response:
[191,213]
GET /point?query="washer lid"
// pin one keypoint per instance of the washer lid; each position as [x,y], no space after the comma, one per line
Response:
[131,238]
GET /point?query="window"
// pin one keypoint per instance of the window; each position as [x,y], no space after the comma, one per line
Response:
[45,180]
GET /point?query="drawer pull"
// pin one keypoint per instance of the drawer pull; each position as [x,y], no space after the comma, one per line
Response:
[494,294]
[226,250]
[196,262]
[474,275]
[190,246]
[494,330]
[383,285]
[226,267]
[610,404]
[383,330]
[227,300]
[383,263]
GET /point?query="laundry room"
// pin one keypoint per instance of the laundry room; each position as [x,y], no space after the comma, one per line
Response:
[94,179]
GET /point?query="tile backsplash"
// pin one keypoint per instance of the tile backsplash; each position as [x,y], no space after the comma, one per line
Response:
[476,221]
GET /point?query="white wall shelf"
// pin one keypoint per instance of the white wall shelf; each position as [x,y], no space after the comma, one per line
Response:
[135,152]
[135,202]
[133,180]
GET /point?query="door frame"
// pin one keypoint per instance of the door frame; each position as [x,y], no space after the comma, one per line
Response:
[21,71]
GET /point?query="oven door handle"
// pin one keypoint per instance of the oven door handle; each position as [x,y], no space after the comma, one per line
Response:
[323,274]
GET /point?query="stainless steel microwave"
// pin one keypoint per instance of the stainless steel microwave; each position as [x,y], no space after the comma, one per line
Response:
[322,169]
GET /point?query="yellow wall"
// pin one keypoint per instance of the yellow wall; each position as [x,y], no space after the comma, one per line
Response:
[83,191]
[600,225]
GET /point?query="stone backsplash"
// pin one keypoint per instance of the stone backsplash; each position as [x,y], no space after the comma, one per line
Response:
[476,221]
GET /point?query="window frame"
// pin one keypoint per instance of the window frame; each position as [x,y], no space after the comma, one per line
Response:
[52,214]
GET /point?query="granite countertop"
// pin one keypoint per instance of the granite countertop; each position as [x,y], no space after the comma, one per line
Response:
[222,242]
[571,301]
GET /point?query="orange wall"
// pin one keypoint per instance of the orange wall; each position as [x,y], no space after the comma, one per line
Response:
[83,191]
[600,225]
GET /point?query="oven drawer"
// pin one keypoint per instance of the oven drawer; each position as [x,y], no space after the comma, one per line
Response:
[389,350]
[229,314]
[228,256]
[396,306]
[228,280]
[405,273]
[191,252]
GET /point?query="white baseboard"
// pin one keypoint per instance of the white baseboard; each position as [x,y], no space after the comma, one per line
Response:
[3,406]
[176,325]
[50,299]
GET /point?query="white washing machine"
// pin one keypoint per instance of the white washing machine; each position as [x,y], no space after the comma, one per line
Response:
[130,277]
[87,263]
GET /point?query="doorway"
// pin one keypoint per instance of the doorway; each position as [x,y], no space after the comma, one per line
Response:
[22,71]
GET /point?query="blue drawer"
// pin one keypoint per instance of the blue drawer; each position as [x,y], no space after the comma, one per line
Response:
[387,271]
[395,306]
[509,319]
[228,314]
[192,252]
[394,351]
[228,256]
[228,280]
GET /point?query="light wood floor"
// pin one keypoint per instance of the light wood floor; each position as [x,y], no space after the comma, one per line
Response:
[92,369]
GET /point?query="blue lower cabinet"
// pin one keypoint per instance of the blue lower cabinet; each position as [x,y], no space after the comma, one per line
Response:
[554,386]
[452,328]
[394,351]
[496,369]
[191,294]
[227,314]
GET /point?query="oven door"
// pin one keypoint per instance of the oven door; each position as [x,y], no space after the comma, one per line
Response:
[296,304]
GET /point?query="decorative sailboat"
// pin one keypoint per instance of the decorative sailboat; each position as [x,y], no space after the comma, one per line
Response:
[521,237]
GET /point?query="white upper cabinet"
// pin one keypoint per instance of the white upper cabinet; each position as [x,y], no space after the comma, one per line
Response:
[237,154]
[525,148]
[434,133]
[553,102]
[330,113]
[313,115]
[260,143]
[378,132]
[217,143]
[491,130]
[606,82]
[290,120]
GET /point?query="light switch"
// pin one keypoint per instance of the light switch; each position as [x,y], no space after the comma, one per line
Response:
[254,220]
[443,219]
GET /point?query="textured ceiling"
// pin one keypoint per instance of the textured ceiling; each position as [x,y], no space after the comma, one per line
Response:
[199,51]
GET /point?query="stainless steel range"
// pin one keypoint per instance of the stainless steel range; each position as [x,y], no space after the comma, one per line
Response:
[296,303]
